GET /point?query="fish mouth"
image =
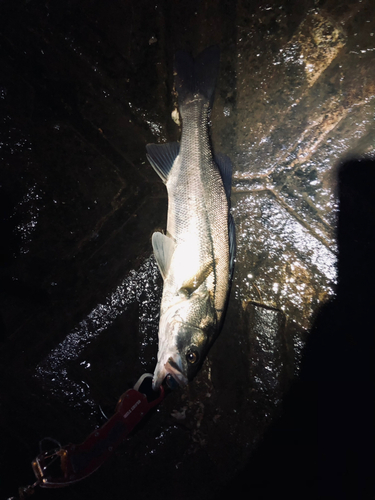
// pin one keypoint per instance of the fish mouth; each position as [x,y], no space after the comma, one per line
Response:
[173,369]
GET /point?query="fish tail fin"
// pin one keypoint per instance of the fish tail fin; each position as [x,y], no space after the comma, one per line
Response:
[197,76]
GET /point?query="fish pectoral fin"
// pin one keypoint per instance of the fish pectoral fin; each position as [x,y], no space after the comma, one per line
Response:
[163,250]
[189,286]
[162,157]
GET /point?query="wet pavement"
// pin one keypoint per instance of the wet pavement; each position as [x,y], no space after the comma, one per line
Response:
[84,87]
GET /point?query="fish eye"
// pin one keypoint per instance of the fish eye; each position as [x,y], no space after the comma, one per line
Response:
[192,356]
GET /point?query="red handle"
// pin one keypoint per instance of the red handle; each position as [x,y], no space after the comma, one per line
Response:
[75,462]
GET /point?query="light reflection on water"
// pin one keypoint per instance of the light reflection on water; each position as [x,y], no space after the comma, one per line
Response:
[299,111]
[143,287]
[279,262]
[30,205]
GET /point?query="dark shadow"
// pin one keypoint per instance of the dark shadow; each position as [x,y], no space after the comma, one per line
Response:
[323,445]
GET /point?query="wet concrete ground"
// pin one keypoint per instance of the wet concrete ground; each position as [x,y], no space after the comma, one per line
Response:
[84,87]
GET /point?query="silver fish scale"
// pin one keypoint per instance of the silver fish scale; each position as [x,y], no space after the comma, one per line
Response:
[197,217]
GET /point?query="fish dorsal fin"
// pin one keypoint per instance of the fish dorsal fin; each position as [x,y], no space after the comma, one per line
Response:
[193,283]
[232,246]
[225,167]
[163,250]
[162,157]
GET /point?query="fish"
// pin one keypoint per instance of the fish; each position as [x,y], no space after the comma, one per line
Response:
[196,254]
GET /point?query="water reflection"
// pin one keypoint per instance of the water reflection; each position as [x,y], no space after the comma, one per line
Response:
[281,263]
[29,206]
[143,287]
[299,109]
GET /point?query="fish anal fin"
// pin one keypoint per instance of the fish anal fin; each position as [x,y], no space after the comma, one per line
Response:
[164,247]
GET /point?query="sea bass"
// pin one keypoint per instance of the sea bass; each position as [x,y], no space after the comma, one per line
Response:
[196,255]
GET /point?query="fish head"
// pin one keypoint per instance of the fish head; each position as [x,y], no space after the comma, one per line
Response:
[184,339]
[183,357]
